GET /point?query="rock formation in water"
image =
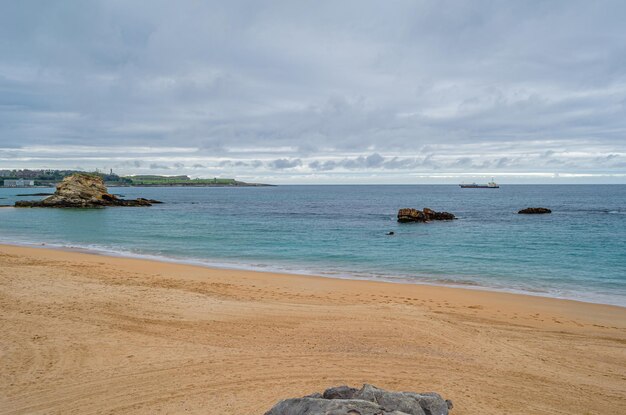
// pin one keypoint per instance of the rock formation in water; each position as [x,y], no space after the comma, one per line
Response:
[83,190]
[369,400]
[534,211]
[425,215]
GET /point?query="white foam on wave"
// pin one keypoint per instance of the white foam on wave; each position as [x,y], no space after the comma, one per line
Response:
[548,292]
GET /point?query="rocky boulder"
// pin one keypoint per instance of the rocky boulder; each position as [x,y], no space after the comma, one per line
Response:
[81,190]
[426,215]
[411,215]
[369,400]
[534,211]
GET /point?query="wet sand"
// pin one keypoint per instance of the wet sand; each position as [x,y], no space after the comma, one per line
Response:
[84,333]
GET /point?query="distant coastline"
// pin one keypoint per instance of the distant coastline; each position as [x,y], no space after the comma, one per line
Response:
[115,184]
[238,184]
[26,179]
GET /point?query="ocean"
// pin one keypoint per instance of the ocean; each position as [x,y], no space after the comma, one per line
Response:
[577,252]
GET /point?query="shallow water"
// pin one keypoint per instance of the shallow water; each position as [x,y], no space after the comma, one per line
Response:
[578,251]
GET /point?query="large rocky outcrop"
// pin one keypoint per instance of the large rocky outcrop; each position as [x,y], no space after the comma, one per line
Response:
[82,190]
[369,400]
[534,211]
[425,215]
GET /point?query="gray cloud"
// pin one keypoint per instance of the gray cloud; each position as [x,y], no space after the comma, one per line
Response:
[239,163]
[271,89]
[285,164]
[155,166]
[323,165]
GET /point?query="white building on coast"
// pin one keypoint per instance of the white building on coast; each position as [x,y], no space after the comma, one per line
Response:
[18,183]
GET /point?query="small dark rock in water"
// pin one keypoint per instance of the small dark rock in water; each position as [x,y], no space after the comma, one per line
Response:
[82,190]
[534,211]
[151,201]
[391,233]
[426,215]
[35,194]
[369,400]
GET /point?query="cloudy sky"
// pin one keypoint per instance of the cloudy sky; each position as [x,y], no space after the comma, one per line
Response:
[317,92]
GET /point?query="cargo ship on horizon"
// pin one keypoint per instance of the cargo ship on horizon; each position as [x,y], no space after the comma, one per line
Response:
[490,185]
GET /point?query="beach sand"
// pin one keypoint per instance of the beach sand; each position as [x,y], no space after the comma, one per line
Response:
[83,333]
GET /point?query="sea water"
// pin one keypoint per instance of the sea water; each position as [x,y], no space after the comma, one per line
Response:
[577,252]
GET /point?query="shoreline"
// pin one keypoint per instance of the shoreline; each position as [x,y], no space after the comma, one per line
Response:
[86,333]
[319,274]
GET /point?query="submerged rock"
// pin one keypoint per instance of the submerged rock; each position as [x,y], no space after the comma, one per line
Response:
[35,194]
[369,400]
[425,215]
[81,190]
[534,211]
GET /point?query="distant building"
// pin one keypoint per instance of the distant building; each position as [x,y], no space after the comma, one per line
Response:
[18,183]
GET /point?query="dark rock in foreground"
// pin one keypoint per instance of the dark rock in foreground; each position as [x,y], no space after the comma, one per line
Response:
[413,215]
[534,211]
[83,191]
[369,400]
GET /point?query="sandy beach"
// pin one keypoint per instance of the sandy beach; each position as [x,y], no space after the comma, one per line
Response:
[84,333]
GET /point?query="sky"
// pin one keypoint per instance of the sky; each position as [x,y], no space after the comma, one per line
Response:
[317,91]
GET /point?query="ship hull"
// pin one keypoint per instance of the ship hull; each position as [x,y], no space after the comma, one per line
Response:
[470,186]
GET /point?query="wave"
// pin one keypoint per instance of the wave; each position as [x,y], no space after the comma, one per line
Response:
[605,211]
[477,283]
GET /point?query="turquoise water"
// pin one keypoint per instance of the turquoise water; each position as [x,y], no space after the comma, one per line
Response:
[577,252]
